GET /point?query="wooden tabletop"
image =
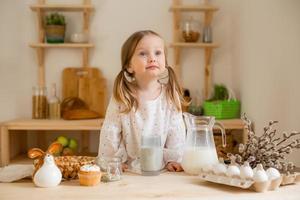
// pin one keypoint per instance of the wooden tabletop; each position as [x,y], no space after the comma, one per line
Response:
[165,186]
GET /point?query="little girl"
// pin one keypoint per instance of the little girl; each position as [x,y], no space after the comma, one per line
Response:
[146,101]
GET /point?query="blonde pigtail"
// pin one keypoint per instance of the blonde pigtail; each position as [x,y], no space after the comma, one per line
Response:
[174,90]
[124,92]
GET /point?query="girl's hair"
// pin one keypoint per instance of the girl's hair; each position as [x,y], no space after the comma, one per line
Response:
[125,92]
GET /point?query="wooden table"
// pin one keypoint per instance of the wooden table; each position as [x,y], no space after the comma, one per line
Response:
[41,125]
[165,186]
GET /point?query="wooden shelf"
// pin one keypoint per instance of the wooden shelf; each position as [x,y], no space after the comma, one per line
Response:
[41,8]
[62,45]
[194,8]
[77,125]
[21,159]
[90,124]
[61,7]
[41,126]
[232,123]
[208,10]
[194,45]
[47,124]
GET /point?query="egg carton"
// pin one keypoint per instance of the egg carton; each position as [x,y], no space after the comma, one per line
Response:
[249,183]
[291,178]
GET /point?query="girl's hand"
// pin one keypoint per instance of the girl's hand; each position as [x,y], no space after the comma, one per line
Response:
[124,167]
[174,167]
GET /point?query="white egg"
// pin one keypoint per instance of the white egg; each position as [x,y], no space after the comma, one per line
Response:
[233,170]
[219,168]
[272,173]
[246,172]
[260,174]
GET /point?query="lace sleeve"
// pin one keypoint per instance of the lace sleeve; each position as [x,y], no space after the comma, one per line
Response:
[110,135]
[173,150]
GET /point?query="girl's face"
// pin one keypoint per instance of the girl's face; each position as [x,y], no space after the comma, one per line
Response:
[148,60]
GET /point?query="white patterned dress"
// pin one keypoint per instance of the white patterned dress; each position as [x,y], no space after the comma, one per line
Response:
[121,133]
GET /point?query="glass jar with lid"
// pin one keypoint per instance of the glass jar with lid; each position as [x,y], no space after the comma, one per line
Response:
[190,30]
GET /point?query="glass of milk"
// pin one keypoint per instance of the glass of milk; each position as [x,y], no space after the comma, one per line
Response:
[151,155]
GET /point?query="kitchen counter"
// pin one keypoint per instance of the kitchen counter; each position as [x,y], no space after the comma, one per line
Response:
[165,186]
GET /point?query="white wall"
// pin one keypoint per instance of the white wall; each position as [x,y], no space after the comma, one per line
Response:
[259,55]
[268,63]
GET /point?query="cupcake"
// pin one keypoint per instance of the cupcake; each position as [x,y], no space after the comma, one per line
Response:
[89,175]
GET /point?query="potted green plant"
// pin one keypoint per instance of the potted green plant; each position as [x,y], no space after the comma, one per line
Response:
[220,93]
[55,27]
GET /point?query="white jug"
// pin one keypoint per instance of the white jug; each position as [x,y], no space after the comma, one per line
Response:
[200,151]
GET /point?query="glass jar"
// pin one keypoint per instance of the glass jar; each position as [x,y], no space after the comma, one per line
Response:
[112,166]
[39,102]
[190,30]
[207,34]
[54,104]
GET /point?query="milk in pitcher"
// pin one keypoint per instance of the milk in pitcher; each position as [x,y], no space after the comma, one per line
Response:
[197,158]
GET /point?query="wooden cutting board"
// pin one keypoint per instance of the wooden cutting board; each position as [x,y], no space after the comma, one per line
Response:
[88,84]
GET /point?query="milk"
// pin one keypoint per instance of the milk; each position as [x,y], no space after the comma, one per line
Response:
[151,158]
[195,158]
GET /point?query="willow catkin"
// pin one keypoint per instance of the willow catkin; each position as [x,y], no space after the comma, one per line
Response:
[268,150]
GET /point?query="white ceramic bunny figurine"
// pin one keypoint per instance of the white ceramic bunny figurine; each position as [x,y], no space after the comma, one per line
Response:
[48,175]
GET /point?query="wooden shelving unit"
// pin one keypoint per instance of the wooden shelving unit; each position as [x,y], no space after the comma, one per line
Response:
[6,128]
[41,8]
[178,45]
[86,125]
[21,126]
[14,132]
[177,8]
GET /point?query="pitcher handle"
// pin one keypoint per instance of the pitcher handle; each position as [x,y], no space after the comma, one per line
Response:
[186,119]
[222,128]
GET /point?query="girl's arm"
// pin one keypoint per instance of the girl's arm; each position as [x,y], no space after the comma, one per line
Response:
[173,150]
[110,135]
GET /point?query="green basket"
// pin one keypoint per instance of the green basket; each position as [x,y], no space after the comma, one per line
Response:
[226,109]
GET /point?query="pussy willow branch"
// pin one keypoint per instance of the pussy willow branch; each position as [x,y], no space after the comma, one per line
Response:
[287,137]
[266,149]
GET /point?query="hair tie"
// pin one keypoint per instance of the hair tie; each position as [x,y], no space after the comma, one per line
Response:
[128,76]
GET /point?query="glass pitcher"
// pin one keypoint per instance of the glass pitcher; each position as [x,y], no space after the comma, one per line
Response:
[200,152]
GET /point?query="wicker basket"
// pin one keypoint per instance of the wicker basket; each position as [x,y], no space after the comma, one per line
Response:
[227,109]
[223,109]
[70,165]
